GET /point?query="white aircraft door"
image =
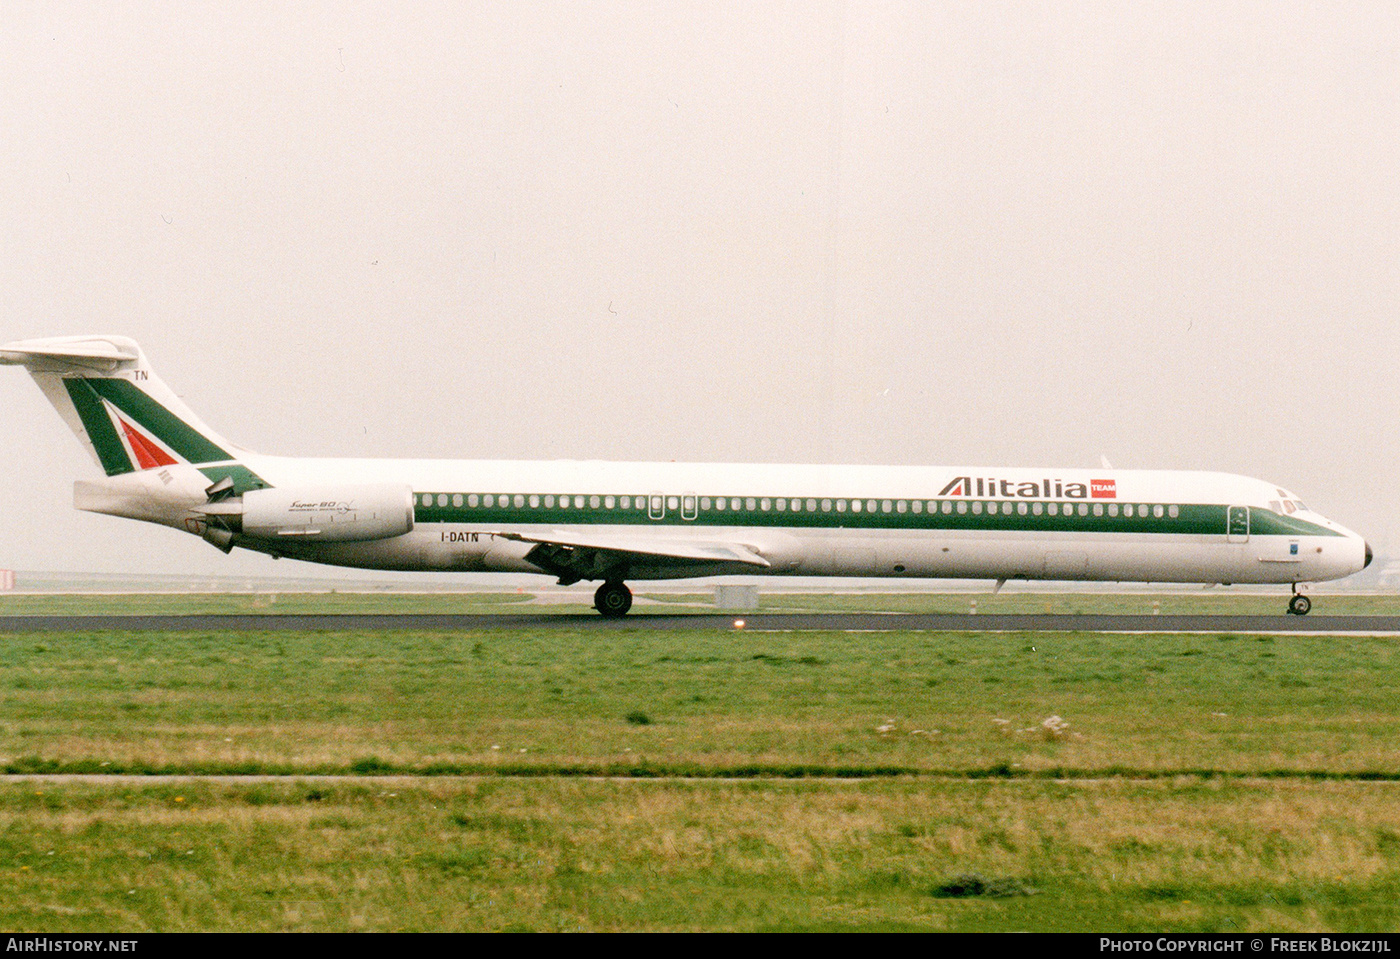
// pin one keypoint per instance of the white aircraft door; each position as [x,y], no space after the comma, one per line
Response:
[1237,524]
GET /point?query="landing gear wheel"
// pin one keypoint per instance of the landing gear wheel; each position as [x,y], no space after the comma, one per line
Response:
[613,600]
[1299,605]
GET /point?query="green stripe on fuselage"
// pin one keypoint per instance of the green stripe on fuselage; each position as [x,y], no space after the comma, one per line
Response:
[1265,522]
[1192,519]
[243,478]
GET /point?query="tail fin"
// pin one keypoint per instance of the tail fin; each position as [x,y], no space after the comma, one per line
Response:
[127,418]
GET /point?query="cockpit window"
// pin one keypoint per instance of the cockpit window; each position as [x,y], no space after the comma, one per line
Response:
[1299,503]
[1276,506]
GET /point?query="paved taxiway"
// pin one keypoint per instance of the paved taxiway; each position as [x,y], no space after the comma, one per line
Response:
[840,622]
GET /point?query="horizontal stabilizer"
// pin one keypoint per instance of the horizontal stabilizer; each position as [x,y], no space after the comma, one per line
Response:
[87,352]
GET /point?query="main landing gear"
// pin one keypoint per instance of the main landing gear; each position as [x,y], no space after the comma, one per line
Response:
[1299,604]
[613,600]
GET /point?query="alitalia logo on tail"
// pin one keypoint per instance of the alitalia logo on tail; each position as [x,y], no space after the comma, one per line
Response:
[989,486]
[130,431]
[148,453]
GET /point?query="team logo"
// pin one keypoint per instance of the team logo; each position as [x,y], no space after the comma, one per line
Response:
[1103,489]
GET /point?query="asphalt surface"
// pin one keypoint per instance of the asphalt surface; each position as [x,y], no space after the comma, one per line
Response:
[839,622]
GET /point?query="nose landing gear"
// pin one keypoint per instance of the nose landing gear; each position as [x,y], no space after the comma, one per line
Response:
[1299,605]
[613,600]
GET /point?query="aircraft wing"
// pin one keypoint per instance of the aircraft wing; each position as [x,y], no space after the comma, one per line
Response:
[575,556]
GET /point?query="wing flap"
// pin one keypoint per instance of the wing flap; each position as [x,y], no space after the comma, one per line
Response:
[576,556]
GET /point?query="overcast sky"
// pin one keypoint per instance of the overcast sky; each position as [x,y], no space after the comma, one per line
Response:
[913,233]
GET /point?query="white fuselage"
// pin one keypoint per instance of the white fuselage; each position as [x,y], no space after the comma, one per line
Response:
[1132,526]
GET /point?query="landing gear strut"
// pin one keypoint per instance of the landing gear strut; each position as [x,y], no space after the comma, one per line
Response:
[613,600]
[1299,604]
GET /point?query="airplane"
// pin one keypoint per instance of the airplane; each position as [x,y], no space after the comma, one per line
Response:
[619,522]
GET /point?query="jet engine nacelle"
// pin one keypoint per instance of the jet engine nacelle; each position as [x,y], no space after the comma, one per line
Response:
[330,514]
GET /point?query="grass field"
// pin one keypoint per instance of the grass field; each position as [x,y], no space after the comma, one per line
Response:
[835,780]
[567,854]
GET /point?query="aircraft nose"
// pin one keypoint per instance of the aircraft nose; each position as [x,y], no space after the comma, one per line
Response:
[1368,556]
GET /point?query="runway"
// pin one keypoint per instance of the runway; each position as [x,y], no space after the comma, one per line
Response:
[749,622]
